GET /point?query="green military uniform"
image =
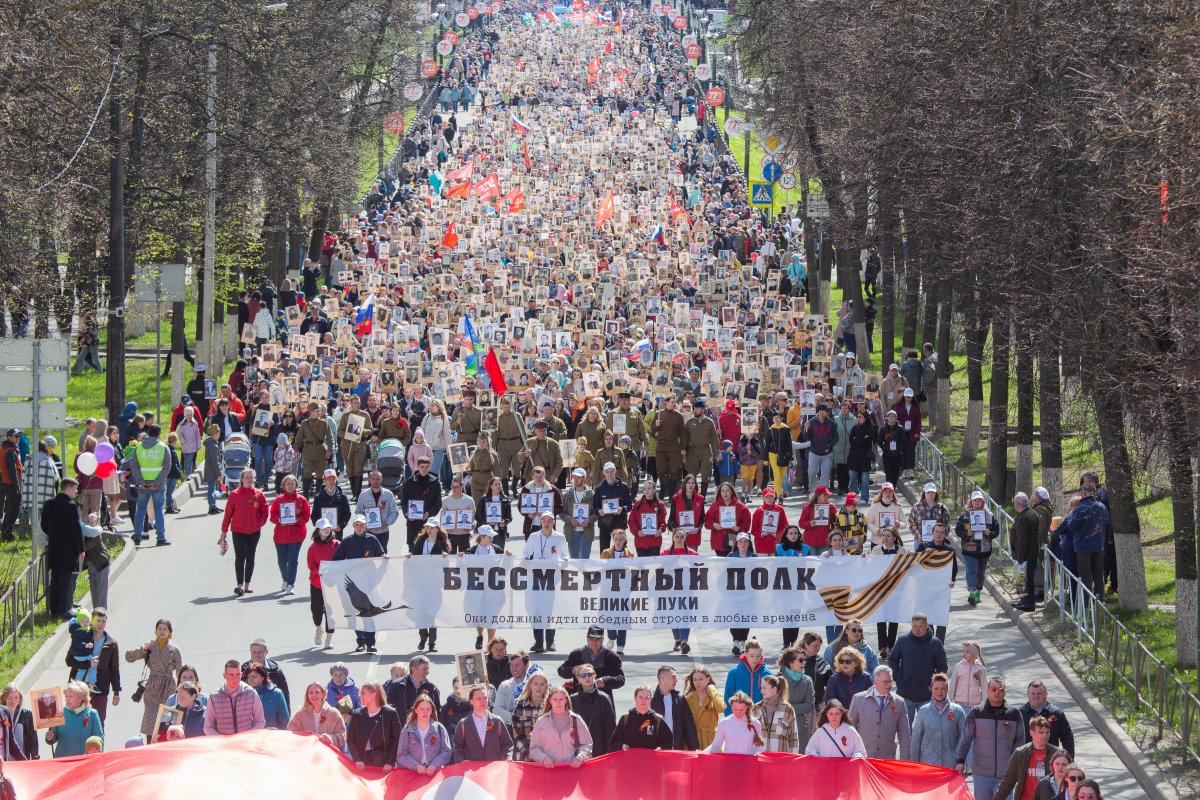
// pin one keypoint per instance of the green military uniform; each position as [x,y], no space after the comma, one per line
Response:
[395,429]
[507,442]
[542,453]
[467,423]
[354,454]
[314,441]
[668,431]
[592,431]
[702,443]
[556,429]
[635,427]
[482,466]
[604,455]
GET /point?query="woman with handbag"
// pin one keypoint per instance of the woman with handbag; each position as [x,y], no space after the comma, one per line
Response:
[163,660]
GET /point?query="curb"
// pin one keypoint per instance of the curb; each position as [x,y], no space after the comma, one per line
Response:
[1149,777]
[44,658]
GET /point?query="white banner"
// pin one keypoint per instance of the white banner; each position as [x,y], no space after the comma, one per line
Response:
[641,593]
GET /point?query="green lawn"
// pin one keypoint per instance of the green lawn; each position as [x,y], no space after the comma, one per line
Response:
[737,146]
[368,152]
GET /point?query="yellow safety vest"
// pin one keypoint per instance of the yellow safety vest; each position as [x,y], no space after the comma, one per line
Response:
[150,461]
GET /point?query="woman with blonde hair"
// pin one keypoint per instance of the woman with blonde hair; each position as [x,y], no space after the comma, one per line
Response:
[424,743]
[316,716]
[560,736]
[374,730]
[850,676]
[705,702]
[529,707]
[436,426]
[740,732]
[80,721]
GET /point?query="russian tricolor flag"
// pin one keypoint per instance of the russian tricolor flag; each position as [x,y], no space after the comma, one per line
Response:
[366,313]
[520,127]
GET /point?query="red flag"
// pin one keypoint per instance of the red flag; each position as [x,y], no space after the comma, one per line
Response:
[605,211]
[491,365]
[677,212]
[459,190]
[515,200]
[594,65]
[608,47]
[488,187]
[464,173]
[450,240]
[525,148]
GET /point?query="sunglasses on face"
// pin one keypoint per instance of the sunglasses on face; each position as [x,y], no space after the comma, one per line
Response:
[845,661]
[855,630]
[586,676]
[1074,778]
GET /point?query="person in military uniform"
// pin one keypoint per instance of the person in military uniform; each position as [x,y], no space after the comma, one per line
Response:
[467,420]
[701,443]
[508,441]
[540,451]
[393,426]
[592,428]
[668,432]
[354,454]
[482,466]
[626,420]
[556,429]
[314,442]
[608,451]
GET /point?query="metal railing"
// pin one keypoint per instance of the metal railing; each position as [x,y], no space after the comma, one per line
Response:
[20,602]
[1138,683]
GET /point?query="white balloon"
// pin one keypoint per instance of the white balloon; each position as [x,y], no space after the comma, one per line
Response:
[86,463]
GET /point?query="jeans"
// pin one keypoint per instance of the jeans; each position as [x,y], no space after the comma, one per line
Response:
[210,492]
[89,356]
[543,636]
[681,634]
[580,545]
[912,706]
[819,468]
[976,567]
[364,638]
[860,484]
[264,456]
[435,466]
[170,496]
[187,462]
[986,785]
[159,499]
[10,501]
[619,636]
[288,556]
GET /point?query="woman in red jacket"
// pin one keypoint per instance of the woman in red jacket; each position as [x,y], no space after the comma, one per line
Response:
[687,511]
[723,523]
[320,548]
[290,513]
[245,513]
[647,521]
[815,520]
[768,524]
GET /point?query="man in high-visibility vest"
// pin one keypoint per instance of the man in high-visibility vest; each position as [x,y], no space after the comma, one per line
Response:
[149,466]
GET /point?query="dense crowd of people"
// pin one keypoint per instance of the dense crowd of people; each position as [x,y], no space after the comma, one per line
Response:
[572,364]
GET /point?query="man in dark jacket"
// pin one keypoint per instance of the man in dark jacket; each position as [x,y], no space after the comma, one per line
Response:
[995,730]
[610,675]
[670,705]
[1025,546]
[1086,526]
[332,498]
[1029,763]
[403,693]
[64,547]
[914,660]
[1039,706]
[425,489]
[641,727]
[596,708]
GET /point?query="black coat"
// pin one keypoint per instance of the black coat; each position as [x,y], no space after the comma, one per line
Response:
[383,732]
[608,666]
[683,729]
[60,523]
[108,671]
[1061,734]
[401,695]
[598,713]
[641,731]
[498,670]
[862,441]
[1024,536]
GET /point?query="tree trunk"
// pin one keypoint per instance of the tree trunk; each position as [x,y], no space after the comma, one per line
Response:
[887,283]
[826,267]
[812,276]
[976,339]
[1118,479]
[944,366]
[1024,356]
[851,281]
[929,317]
[997,454]
[1183,512]
[1050,400]
[912,303]
[317,236]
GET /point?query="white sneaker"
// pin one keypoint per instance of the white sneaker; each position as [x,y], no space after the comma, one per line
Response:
[317,636]
[290,589]
[283,588]
[329,641]
[620,651]
[611,644]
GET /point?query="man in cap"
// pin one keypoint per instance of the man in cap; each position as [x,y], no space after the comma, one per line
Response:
[467,420]
[541,451]
[891,389]
[354,452]
[611,501]
[10,481]
[625,420]
[197,392]
[668,432]
[331,504]
[1025,548]
[314,443]
[701,445]
[577,515]
[605,663]
[1040,501]
[360,544]
[545,544]
[908,415]
[508,441]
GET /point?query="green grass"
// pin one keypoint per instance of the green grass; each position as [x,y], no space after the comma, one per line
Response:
[149,338]
[368,151]
[737,146]
[1160,581]
[31,639]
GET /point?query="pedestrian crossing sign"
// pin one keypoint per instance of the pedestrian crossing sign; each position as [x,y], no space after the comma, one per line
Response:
[762,193]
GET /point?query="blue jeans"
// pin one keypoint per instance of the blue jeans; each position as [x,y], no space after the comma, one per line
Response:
[158,499]
[288,556]
[619,636]
[263,462]
[912,706]
[188,463]
[579,546]
[974,572]
[681,633]
[986,785]
[860,484]
[365,638]
[435,465]
[210,492]
[170,495]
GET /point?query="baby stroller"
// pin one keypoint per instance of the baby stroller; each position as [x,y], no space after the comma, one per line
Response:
[390,463]
[237,458]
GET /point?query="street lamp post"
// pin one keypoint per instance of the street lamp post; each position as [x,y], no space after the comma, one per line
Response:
[441,9]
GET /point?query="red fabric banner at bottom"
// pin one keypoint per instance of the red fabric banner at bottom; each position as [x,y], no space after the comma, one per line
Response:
[277,764]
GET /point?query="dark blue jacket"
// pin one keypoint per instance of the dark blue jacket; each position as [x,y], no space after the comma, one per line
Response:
[355,546]
[1085,525]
